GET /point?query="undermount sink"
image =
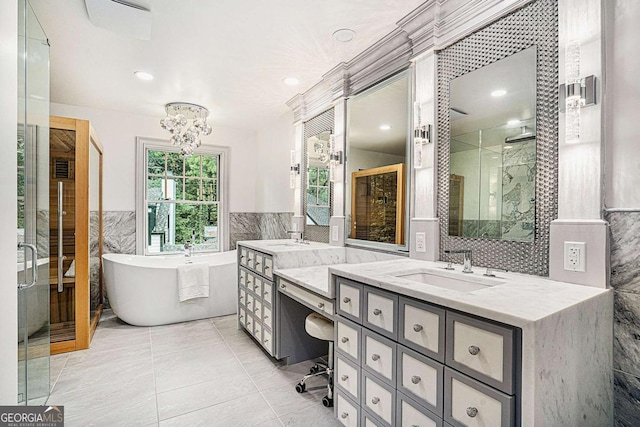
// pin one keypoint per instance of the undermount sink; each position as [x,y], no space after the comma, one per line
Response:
[287,245]
[429,277]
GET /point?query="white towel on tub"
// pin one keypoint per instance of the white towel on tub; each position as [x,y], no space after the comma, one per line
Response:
[193,281]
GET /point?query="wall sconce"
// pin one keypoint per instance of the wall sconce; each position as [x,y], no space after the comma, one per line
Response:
[335,158]
[421,135]
[576,93]
[294,170]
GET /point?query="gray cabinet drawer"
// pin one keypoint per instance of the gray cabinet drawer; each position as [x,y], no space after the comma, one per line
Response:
[378,398]
[409,414]
[379,356]
[242,255]
[347,376]
[258,262]
[347,339]
[267,291]
[470,403]
[268,267]
[481,349]
[421,327]
[349,299]
[421,379]
[380,312]
[347,412]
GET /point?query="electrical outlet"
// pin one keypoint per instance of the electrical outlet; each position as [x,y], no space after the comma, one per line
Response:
[575,256]
[421,245]
[334,233]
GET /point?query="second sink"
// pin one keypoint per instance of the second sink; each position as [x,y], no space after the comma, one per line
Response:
[429,277]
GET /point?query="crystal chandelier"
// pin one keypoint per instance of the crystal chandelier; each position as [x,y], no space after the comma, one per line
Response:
[186,122]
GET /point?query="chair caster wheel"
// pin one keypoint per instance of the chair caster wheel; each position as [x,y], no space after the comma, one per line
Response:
[314,370]
[327,402]
[300,388]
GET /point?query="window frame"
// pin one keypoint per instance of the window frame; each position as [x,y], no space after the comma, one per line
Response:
[143,146]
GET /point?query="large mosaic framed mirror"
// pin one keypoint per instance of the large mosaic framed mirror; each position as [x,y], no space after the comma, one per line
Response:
[533,28]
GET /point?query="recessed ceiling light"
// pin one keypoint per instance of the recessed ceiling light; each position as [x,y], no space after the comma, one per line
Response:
[499,92]
[385,127]
[143,75]
[291,81]
[344,35]
[513,122]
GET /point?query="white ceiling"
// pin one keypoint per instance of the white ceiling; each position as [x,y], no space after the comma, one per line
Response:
[228,55]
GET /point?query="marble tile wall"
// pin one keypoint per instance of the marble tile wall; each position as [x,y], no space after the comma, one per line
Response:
[625,279]
[258,226]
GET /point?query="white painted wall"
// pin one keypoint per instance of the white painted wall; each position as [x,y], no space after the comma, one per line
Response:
[622,158]
[118,131]
[273,154]
[8,207]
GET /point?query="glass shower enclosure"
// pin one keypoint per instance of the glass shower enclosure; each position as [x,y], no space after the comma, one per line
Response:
[33,209]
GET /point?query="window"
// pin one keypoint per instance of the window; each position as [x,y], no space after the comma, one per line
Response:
[182,200]
[318,209]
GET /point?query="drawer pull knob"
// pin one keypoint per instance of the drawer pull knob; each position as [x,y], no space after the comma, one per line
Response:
[266,316]
[415,379]
[266,341]
[256,287]
[241,256]
[375,357]
[472,412]
[344,340]
[375,400]
[346,300]
[283,286]
[377,311]
[266,267]
[344,415]
[248,302]
[320,304]
[344,377]
[241,297]
[256,309]
[474,350]
[417,327]
[258,263]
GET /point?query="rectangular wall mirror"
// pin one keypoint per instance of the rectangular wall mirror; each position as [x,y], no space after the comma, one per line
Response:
[377,136]
[492,167]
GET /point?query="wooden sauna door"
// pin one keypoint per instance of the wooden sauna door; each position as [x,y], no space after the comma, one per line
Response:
[377,204]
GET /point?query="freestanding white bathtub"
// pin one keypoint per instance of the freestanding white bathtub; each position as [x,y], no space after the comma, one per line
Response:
[143,290]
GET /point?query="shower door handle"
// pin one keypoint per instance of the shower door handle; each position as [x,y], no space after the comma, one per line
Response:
[34,265]
[61,257]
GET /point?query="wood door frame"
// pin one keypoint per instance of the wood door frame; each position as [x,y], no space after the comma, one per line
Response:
[400,201]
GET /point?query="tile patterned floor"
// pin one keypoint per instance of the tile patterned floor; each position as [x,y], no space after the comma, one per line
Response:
[200,373]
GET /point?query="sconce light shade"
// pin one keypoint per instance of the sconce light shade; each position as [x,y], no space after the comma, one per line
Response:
[335,158]
[421,135]
[294,170]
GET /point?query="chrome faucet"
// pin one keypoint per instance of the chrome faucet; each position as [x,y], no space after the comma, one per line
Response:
[467,263]
[301,239]
[188,249]
[490,271]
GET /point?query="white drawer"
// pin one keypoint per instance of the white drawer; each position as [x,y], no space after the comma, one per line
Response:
[257,330]
[348,339]
[248,325]
[258,263]
[378,398]
[243,298]
[267,317]
[256,286]
[474,404]
[242,316]
[251,257]
[411,415]
[482,350]
[242,278]
[268,266]
[347,413]
[322,305]
[249,303]
[422,328]
[257,309]
[243,255]
[249,282]
[381,310]
[347,376]
[267,340]
[267,291]
[379,355]
[349,300]
[421,378]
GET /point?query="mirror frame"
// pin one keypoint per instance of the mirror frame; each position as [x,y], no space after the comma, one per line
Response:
[534,24]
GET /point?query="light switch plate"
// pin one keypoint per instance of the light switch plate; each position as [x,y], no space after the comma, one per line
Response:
[421,245]
[575,256]
[334,233]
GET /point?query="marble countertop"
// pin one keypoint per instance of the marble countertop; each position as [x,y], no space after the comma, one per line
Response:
[515,299]
[315,279]
[279,246]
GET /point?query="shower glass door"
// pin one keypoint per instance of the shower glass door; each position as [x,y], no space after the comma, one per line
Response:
[33,209]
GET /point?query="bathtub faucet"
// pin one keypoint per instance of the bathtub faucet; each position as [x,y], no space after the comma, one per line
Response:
[188,249]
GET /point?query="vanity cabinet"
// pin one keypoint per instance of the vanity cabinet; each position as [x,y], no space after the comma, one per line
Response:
[256,296]
[405,362]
